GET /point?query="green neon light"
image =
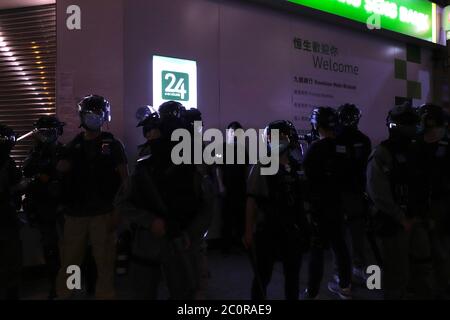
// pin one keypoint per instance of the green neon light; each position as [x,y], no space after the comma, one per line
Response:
[415,18]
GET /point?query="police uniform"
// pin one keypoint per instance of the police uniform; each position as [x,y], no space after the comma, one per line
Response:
[89,189]
[324,182]
[282,232]
[42,200]
[176,194]
[353,149]
[235,182]
[393,183]
[434,160]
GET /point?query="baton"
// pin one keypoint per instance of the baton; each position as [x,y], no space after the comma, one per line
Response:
[27,135]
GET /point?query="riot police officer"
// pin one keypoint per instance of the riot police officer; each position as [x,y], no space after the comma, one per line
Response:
[324,182]
[392,181]
[93,167]
[433,153]
[43,193]
[276,225]
[164,203]
[233,176]
[10,245]
[147,123]
[354,148]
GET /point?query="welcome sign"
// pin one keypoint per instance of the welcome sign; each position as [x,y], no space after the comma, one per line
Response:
[415,18]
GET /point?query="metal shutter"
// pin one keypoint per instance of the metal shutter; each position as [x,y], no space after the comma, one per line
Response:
[27,69]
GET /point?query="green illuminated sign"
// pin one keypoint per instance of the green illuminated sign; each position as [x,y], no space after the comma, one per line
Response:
[415,18]
[175,86]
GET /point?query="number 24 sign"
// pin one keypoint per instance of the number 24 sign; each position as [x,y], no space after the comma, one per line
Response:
[175,86]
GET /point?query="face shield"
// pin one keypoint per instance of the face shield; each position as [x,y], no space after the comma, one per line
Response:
[47,135]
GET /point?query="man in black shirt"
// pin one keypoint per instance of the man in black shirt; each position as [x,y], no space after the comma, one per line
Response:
[353,149]
[93,168]
[325,182]
[234,178]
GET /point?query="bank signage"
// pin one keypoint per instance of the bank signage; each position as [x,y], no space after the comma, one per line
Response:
[174,79]
[415,18]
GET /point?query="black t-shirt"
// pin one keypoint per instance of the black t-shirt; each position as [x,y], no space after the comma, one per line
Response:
[323,173]
[353,149]
[234,175]
[93,180]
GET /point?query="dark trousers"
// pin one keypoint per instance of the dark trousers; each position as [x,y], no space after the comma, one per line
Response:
[354,207]
[10,262]
[330,234]
[50,247]
[233,219]
[407,264]
[271,247]
[183,270]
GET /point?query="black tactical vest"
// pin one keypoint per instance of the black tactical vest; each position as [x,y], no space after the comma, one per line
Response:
[95,180]
[406,178]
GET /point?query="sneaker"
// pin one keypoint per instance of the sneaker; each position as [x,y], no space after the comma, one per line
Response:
[306,295]
[343,293]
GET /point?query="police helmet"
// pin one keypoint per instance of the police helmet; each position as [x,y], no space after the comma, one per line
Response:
[349,115]
[190,116]
[151,122]
[170,109]
[284,127]
[431,116]
[402,115]
[324,117]
[143,113]
[95,104]
[49,128]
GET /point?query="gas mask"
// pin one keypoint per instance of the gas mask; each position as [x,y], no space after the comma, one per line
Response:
[92,121]
[403,131]
[47,135]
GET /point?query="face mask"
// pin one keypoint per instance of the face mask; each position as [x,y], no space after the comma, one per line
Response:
[47,136]
[92,121]
[280,147]
[406,132]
